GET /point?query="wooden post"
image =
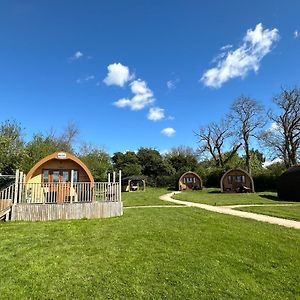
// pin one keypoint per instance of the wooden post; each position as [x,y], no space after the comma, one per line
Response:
[120,185]
[15,199]
[108,178]
[114,177]
[20,187]
[71,187]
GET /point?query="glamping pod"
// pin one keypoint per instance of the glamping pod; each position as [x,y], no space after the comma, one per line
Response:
[60,186]
[190,181]
[289,184]
[57,167]
[58,171]
[237,181]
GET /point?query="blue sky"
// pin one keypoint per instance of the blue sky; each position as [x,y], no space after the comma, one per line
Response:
[109,66]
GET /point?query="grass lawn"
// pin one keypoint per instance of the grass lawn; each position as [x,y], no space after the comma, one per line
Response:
[149,197]
[215,197]
[150,253]
[287,212]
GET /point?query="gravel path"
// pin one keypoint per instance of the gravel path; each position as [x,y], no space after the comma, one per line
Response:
[229,211]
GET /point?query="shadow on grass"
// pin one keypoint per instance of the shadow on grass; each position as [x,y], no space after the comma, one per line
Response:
[270,197]
[214,192]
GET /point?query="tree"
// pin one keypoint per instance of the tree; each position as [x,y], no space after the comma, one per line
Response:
[247,115]
[11,147]
[152,164]
[182,159]
[213,139]
[42,145]
[97,160]
[128,162]
[283,138]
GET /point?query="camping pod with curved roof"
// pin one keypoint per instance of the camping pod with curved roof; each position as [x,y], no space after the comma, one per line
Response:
[57,167]
[237,181]
[289,184]
[190,181]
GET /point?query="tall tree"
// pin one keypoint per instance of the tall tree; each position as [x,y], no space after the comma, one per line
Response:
[97,160]
[42,145]
[128,162]
[283,138]
[213,139]
[182,158]
[247,115]
[11,147]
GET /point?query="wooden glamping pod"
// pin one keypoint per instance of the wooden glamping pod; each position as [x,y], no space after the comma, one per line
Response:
[237,181]
[59,171]
[289,184]
[190,181]
[60,186]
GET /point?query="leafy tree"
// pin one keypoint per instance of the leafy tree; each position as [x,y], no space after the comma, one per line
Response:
[127,162]
[11,147]
[152,164]
[42,145]
[97,160]
[182,159]
[39,147]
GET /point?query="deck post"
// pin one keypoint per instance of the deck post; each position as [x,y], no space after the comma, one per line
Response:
[15,197]
[108,178]
[21,175]
[114,177]
[72,182]
[120,185]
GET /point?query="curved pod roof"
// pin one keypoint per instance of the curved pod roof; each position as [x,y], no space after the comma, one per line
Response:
[237,170]
[59,156]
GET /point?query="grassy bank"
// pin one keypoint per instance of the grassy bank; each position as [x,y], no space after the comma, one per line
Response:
[215,197]
[150,253]
[287,212]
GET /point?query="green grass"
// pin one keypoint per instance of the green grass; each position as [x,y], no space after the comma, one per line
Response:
[175,253]
[215,197]
[287,212]
[150,253]
[149,197]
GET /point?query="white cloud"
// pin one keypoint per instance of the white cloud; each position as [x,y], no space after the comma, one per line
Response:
[226,47]
[143,96]
[87,78]
[239,62]
[117,75]
[172,83]
[76,56]
[169,131]
[296,34]
[271,162]
[156,114]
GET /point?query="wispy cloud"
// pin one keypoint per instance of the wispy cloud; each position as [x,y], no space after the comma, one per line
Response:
[143,96]
[239,62]
[85,79]
[77,55]
[296,34]
[172,83]
[156,114]
[117,74]
[169,131]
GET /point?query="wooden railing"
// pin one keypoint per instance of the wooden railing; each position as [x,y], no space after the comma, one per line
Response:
[6,199]
[80,192]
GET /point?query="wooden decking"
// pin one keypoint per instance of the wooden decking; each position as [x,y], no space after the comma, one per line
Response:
[66,211]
